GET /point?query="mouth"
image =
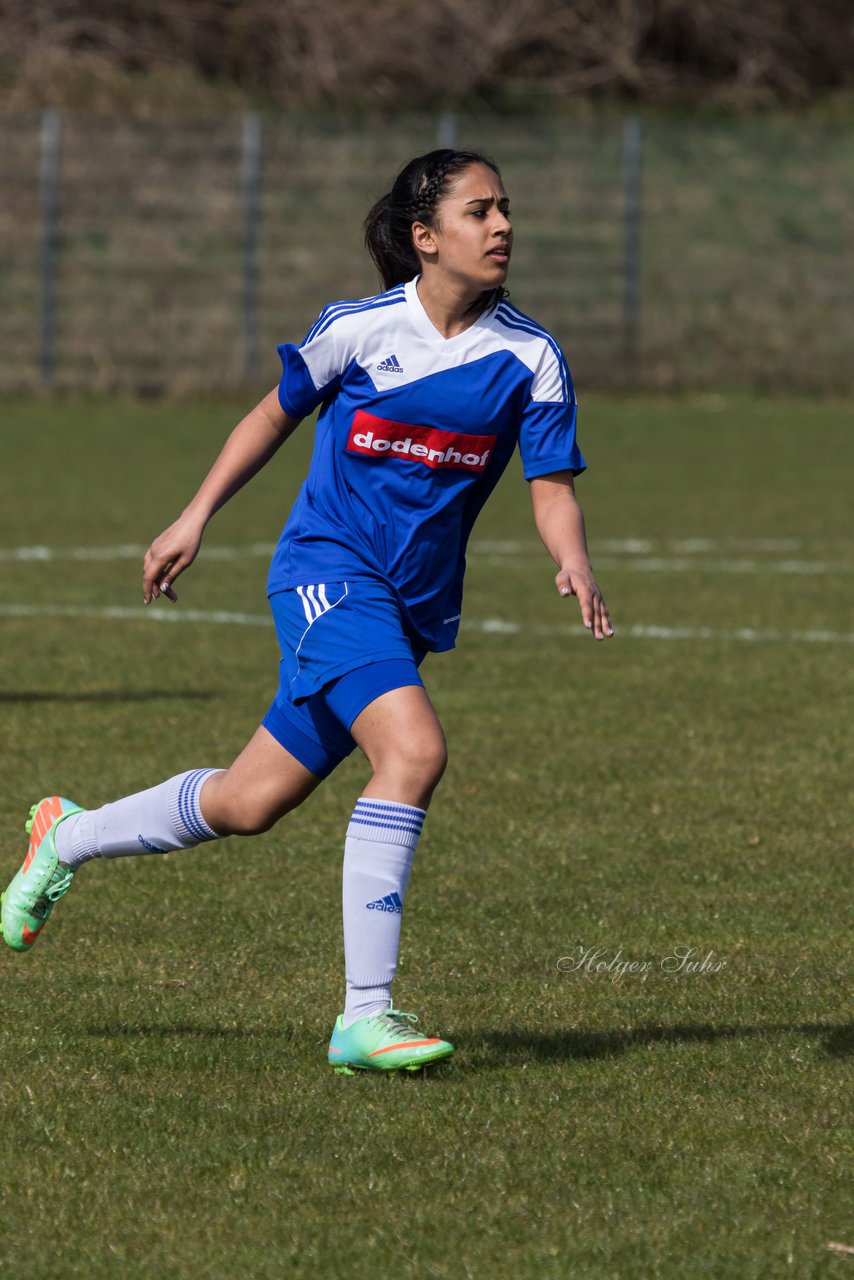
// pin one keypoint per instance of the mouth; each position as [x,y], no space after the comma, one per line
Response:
[501,253]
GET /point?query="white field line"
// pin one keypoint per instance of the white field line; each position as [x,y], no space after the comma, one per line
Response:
[672,546]
[131,613]
[660,564]
[644,631]
[679,554]
[125,551]
[485,626]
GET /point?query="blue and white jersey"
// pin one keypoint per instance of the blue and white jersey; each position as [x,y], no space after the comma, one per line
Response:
[413,435]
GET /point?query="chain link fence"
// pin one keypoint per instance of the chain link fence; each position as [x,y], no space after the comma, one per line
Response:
[170,256]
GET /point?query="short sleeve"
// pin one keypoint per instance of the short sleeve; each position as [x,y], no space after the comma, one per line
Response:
[547,435]
[312,371]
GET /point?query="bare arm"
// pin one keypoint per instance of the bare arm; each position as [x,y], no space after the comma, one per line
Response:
[560,524]
[250,446]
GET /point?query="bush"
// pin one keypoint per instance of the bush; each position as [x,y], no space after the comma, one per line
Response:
[395,52]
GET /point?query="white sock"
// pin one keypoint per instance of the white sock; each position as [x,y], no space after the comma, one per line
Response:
[381,841]
[164,818]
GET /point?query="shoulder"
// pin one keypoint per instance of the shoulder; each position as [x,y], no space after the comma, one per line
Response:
[341,316]
[537,348]
[522,330]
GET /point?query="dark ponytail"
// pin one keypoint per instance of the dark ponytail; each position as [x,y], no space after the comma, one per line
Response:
[416,193]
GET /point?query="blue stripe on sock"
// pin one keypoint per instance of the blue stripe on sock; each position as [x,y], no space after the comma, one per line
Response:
[188,806]
[386,821]
[183,807]
[366,802]
[370,810]
[385,826]
[387,816]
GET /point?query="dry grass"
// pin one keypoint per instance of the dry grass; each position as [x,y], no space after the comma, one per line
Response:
[396,53]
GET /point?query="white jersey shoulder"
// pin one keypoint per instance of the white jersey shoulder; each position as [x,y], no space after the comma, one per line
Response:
[334,339]
[535,347]
[369,331]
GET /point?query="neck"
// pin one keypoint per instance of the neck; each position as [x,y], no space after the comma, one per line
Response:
[447,303]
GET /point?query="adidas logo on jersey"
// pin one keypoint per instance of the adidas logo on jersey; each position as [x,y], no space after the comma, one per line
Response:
[391,902]
[391,365]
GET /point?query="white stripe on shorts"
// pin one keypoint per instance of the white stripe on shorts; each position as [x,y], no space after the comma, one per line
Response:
[314,605]
[309,591]
[312,617]
[309,612]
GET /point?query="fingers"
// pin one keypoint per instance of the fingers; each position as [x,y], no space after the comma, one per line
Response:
[158,582]
[594,613]
[159,573]
[601,624]
[168,556]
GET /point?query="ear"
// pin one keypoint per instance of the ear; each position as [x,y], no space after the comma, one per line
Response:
[424,238]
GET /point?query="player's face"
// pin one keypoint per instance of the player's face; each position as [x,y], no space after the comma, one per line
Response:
[471,238]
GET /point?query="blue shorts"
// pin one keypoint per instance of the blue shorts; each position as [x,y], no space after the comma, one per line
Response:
[343,645]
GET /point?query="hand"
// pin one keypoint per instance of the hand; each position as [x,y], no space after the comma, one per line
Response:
[168,556]
[581,583]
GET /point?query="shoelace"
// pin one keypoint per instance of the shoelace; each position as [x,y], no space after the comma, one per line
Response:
[392,1019]
[59,887]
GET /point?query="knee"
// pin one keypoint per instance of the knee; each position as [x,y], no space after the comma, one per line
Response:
[239,819]
[436,760]
[243,820]
[415,764]
[426,758]
[233,811]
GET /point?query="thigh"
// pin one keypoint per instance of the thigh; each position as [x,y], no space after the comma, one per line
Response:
[400,725]
[348,696]
[310,732]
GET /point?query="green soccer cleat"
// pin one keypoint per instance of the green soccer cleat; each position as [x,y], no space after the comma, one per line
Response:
[383,1042]
[41,881]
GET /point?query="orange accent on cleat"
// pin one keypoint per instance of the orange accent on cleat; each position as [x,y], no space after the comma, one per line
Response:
[406,1044]
[46,814]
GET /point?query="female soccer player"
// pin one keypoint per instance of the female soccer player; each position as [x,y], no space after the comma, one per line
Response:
[425,391]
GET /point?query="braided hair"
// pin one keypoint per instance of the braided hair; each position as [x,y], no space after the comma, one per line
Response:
[416,193]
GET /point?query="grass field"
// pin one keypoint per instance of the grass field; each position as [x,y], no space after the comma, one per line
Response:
[166,1106]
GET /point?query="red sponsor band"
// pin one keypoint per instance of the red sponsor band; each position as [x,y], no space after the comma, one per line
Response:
[374,437]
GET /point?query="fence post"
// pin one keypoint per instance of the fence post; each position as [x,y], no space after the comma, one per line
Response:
[251,242]
[632,179]
[446,130]
[49,198]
